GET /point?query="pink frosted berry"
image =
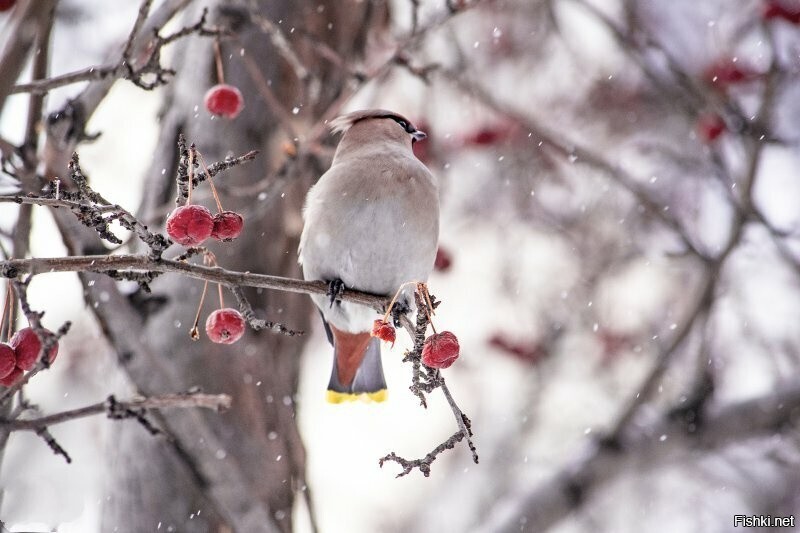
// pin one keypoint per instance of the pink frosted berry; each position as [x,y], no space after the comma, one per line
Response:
[227,225]
[12,378]
[225,326]
[190,225]
[224,100]
[27,346]
[440,350]
[8,360]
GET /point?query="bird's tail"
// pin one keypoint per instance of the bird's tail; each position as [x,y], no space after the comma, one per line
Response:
[357,368]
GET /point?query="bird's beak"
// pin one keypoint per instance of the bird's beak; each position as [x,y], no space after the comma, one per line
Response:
[419,135]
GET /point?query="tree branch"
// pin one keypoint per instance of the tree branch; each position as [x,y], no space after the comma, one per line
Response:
[143,263]
[425,380]
[127,67]
[215,402]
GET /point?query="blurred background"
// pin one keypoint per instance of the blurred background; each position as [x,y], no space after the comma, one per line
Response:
[619,258]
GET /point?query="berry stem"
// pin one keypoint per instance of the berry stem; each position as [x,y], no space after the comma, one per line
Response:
[218,61]
[194,333]
[221,299]
[192,151]
[210,182]
[422,288]
[7,302]
[394,299]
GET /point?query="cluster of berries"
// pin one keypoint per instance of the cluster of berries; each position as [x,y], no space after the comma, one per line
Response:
[440,350]
[21,354]
[191,225]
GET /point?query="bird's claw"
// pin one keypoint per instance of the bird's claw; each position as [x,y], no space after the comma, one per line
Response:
[335,290]
[399,309]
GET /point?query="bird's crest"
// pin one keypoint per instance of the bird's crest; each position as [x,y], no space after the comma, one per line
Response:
[342,123]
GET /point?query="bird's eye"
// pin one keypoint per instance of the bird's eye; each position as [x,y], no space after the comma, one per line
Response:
[403,124]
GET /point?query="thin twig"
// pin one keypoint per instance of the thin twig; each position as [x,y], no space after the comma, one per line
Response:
[128,67]
[257,323]
[425,380]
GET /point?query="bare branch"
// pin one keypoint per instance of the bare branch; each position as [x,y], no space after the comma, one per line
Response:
[142,263]
[127,67]
[24,28]
[425,380]
[257,323]
[215,402]
[576,153]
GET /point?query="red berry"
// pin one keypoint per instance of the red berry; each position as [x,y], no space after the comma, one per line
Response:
[8,360]
[27,346]
[11,378]
[710,126]
[440,350]
[190,225]
[227,225]
[224,100]
[529,352]
[613,343]
[788,11]
[444,260]
[486,136]
[725,72]
[5,5]
[225,326]
[383,330]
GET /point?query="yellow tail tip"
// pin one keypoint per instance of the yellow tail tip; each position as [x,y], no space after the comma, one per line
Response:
[368,397]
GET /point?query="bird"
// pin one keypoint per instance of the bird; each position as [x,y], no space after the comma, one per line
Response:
[371,224]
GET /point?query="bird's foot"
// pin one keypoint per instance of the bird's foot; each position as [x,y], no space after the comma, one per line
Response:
[399,309]
[335,290]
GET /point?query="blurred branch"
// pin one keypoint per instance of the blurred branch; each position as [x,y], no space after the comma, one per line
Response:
[711,277]
[691,97]
[279,41]
[701,306]
[267,94]
[542,507]
[21,34]
[574,152]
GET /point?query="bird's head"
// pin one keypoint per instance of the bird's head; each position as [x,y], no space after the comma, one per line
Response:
[376,125]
